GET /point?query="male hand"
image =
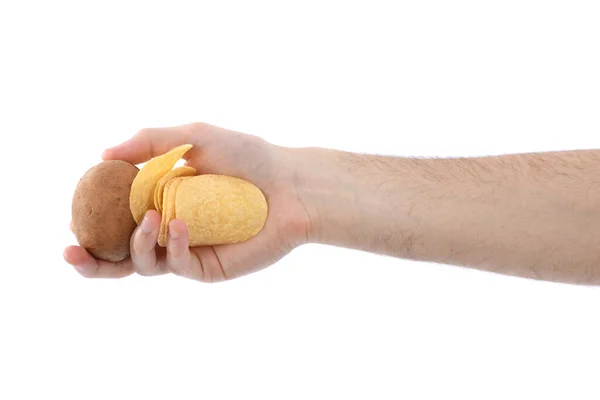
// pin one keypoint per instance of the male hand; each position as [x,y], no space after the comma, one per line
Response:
[215,151]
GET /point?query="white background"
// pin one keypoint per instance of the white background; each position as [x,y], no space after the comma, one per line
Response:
[425,78]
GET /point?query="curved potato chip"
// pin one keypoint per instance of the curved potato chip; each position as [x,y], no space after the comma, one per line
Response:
[165,206]
[157,197]
[141,197]
[160,185]
[219,209]
[168,208]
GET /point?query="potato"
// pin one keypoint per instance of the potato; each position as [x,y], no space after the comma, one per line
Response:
[102,219]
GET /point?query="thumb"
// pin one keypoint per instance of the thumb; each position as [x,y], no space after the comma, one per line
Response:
[148,143]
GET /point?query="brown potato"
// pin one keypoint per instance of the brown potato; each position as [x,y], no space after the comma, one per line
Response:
[102,219]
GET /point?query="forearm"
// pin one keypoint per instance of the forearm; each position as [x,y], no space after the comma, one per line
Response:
[530,215]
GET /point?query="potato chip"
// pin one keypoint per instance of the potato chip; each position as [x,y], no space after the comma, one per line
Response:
[168,208]
[141,197]
[157,199]
[220,209]
[158,191]
[165,206]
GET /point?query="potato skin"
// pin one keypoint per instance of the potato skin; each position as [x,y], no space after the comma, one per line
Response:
[102,221]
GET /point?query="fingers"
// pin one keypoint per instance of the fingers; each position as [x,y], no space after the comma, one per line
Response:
[144,258]
[147,259]
[149,143]
[199,263]
[180,261]
[88,266]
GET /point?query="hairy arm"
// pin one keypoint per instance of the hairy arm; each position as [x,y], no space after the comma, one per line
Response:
[530,215]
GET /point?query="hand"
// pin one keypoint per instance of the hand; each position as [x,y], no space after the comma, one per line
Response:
[216,151]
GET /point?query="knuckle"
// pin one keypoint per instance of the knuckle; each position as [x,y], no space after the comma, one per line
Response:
[143,132]
[177,267]
[151,267]
[144,266]
[185,269]
[87,272]
[144,272]
[198,126]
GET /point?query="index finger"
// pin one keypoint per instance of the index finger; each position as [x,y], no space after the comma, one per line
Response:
[149,143]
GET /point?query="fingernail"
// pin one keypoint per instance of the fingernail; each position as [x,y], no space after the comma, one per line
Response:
[173,232]
[106,152]
[79,269]
[146,225]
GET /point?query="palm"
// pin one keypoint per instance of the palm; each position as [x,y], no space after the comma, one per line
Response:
[252,159]
[233,260]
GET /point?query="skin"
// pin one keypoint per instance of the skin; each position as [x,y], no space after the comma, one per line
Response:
[529,215]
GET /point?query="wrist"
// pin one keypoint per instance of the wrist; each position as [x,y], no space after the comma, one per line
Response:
[327,193]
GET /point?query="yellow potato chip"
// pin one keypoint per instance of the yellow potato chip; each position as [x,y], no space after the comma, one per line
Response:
[157,199]
[141,197]
[168,208]
[177,172]
[220,209]
[165,206]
